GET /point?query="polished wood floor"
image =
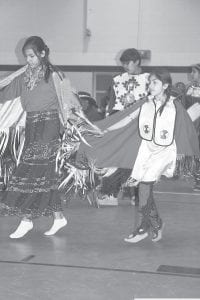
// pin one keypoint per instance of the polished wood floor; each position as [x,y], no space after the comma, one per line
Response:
[88,259]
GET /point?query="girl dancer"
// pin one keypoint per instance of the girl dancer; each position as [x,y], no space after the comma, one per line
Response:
[149,137]
[158,152]
[44,103]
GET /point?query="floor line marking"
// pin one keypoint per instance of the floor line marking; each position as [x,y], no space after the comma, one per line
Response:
[177,193]
[179,269]
[27,258]
[102,269]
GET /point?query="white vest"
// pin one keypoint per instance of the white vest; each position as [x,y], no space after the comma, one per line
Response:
[155,127]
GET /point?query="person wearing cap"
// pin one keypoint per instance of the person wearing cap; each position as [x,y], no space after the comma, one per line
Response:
[89,107]
[127,88]
[193,108]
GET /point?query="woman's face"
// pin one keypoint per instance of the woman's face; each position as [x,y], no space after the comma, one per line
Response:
[31,58]
[156,87]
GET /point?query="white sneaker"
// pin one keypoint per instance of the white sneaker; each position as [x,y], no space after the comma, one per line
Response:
[57,225]
[136,236]
[23,228]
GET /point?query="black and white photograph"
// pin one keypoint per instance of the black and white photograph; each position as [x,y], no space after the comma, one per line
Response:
[99,149]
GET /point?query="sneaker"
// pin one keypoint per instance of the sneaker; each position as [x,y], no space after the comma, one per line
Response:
[136,236]
[23,228]
[157,235]
[57,225]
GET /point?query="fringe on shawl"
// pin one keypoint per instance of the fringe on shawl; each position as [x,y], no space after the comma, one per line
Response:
[12,120]
[87,181]
[79,182]
[77,177]
[11,146]
[186,166]
[71,115]
[4,82]
[75,132]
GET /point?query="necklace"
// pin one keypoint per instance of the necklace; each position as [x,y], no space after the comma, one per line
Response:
[33,76]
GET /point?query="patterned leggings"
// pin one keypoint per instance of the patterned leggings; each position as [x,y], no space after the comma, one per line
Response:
[149,217]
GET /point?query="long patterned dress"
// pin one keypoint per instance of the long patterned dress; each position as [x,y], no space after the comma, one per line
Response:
[32,189]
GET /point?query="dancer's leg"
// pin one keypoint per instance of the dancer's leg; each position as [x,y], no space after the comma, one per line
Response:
[148,219]
[155,221]
[142,223]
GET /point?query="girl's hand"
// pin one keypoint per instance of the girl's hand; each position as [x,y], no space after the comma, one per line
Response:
[130,98]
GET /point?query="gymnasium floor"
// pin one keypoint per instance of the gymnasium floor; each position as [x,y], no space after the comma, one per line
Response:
[88,259]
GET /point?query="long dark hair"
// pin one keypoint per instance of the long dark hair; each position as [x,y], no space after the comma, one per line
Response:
[37,44]
[164,76]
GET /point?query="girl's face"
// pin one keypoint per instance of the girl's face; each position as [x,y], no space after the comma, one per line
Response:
[31,58]
[156,87]
[130,67]
[84,104]
[195,75]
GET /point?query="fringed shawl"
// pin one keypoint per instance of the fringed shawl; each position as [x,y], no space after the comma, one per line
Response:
[11,112]
[119,148]
[13,116]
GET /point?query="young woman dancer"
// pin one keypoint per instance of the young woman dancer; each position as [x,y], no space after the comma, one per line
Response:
[44,103]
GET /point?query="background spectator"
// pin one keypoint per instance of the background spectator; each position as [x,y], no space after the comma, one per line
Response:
[89,106]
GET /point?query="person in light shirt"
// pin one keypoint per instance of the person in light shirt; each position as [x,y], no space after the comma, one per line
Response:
[127,88]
